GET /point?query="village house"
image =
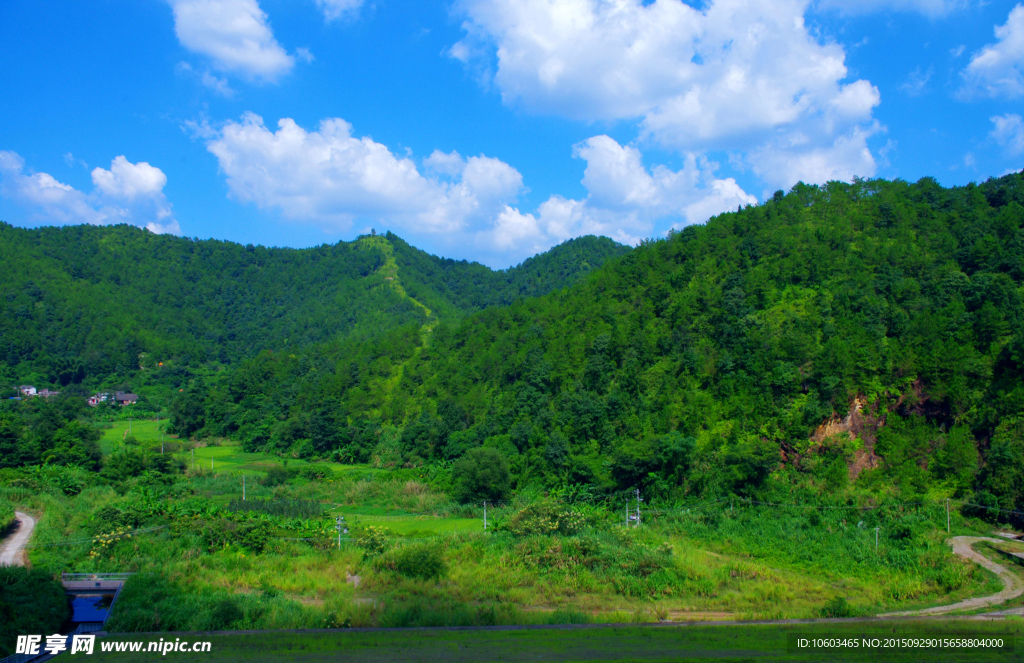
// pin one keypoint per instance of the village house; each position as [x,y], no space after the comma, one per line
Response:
[96,399]
[124,398]
[27,390]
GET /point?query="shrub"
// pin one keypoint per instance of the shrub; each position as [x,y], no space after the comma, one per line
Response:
[418,560]
[373,540]
[276,476]
[836,608]
[31,601]
[221,532]
[6,516]
[546,518]
[225,613]
[314,472]
[481,474]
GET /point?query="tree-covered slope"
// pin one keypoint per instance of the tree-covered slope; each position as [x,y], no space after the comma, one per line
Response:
[84,303]
[701,363]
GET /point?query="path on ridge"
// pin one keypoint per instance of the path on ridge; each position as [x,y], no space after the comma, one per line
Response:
[10,553]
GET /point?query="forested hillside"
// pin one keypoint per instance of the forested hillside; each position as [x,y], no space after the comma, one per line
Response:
[869,331]
[91,304]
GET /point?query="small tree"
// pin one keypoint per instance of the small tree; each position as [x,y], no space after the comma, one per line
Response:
[481,474]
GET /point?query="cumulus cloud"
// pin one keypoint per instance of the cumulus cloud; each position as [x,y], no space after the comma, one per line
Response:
[335,9]
[997,70]
[797,158]
[930,8]
[127,193]
[333,177]
[465,204]
[625,200]
[1009,133]
[234,36]
[731,75]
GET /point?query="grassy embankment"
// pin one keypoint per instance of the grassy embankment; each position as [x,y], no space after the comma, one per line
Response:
[6,516]
[747,563]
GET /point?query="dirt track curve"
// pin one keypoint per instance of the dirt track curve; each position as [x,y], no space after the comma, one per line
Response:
[11,552]
[1012,585]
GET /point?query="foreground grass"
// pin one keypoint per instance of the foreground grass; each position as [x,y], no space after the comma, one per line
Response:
[145,431]
[621,643]
[723,563]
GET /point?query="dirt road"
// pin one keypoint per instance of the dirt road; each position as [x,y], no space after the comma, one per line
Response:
[1012,585]
[14,545]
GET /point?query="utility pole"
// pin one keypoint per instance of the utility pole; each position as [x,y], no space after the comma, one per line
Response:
[947,515]
[627,513]
[638,500]
[485,515]
[337,526]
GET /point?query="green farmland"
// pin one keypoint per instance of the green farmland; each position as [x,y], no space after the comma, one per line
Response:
[676,643]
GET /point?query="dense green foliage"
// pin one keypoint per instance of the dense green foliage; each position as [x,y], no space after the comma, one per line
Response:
[7,517]
[849,337]
[31,601]
[100,304]
[702,363]
[481,474]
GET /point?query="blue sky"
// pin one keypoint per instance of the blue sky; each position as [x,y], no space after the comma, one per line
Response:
[487,130]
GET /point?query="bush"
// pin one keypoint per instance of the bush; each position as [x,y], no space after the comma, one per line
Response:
[221,532]
[31,601]
[314,472]
[482,474]
[373,540]
[276,476]
[546,518]
[836,608]
[419,560]
[6,516]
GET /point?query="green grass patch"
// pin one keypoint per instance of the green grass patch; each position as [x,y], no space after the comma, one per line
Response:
[762,643]
[418,525]
[146,432]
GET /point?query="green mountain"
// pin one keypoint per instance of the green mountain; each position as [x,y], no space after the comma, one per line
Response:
[84,303]
[869,332]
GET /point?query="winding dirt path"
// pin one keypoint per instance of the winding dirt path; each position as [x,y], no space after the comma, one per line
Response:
[11,552]
[1012,584]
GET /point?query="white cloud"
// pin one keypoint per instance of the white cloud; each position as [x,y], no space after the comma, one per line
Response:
[997,70]
[129,181]
[733,75]
[332,177]
[930,8]
[234,36]
[917,81]
[465,205]
[625,201]
[335,9]
[1009,133]
[795,158]
[127,193]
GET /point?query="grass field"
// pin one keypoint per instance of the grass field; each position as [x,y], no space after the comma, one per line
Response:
[147,432]
[677,643]
[416,525]
[231,458]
